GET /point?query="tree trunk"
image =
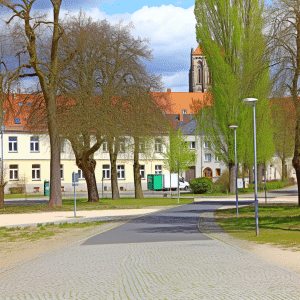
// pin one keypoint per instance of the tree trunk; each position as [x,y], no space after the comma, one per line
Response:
[138,191]
[55,180]
[296,158]
[88,169]
[2,196]
[251,175]
[178,189]
[259,173]
[284,173]
[114,177]
[231,177]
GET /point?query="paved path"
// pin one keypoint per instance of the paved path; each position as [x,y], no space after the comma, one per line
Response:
[166,259]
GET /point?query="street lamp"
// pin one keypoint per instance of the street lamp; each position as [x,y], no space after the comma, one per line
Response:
[234,127]
[251,102]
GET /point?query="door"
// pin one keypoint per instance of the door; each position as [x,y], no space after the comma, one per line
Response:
[190,174]
[208,173]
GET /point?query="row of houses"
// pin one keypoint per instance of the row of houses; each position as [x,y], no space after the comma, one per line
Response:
[26,153]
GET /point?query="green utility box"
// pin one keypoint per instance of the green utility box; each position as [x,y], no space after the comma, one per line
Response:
[154,182]
[46,188]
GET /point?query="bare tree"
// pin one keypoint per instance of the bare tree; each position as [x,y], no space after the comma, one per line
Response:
[283,113]
[46,67]
[108,91]
[285,46]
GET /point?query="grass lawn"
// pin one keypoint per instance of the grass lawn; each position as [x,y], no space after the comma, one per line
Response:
[82,204]
[12,196]
[278,224]
[33,233]
[205,194]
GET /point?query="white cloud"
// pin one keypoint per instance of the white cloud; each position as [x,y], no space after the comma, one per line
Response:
[177,82]
[171,31]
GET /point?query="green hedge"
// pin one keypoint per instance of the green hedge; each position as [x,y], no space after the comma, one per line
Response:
[270,186]
[201,185]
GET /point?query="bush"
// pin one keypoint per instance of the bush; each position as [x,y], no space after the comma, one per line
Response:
[17,190]
[223,181]
[201,185]
[218,188]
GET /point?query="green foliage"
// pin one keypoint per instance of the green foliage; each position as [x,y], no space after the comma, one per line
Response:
[201,185]
[219,189]
[178,156]
[223,180]
[235,54]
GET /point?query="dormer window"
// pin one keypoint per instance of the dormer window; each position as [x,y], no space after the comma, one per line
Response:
[184,111]
[17,121]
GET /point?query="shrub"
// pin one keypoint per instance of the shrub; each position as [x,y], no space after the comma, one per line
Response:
[201,185]
[17,190]
[223,181]
[218,188]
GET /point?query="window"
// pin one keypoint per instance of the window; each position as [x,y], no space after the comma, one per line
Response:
[158,146]
[200,72]
[106,171]
[34,144]
[12,144]
[192,145]
[36,172]
[17,120]
[142,171]
[61,171]
[121,172]
[207,157]
[206,144]
[217,158]
[122,146]
[80,174]
[184,111]
[158,169]
[13,172]
[105,147]
[218,172]
[142,147]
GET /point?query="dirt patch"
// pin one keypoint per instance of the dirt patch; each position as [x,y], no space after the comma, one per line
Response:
[288,258]
[20,250]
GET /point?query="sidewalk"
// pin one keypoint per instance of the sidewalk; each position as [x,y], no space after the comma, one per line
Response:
[32,219]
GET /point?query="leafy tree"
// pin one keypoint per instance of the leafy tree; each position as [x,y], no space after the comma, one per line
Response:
[178,157]
[230,35]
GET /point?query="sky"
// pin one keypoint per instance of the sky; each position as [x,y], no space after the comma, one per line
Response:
[169,24]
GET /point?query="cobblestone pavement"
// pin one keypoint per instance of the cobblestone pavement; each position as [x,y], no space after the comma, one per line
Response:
[185,269]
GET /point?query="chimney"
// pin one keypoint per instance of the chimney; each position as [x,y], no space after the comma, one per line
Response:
[19,91]
[169,91]
[192,50]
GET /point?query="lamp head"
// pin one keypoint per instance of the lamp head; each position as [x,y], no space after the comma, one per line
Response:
[233,126]
[250,101]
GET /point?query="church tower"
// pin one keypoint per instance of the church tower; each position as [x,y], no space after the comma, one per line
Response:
[199,75]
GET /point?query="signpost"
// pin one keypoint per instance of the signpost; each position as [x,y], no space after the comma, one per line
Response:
[74,183]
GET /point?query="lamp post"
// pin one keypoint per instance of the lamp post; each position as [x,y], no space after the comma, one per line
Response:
[234,127]
[251,102]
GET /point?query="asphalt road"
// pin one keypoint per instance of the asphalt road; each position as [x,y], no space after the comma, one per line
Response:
[175,224]
[290,191]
